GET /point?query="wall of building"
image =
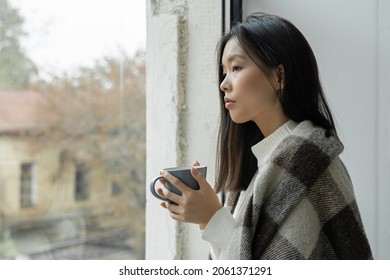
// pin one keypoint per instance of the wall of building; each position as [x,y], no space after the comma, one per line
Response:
[14,152]
[54,180]
[55,186]
[182,110]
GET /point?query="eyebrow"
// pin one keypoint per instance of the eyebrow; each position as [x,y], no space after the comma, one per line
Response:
[233,57]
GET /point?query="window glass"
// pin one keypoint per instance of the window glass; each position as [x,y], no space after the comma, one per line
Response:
[26,185]
[82,182]
[72,129]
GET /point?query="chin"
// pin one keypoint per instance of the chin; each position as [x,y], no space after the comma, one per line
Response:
[237,120]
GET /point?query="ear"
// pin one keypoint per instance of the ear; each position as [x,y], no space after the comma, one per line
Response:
[280,77]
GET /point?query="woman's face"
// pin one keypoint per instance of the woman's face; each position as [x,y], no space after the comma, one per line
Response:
[249,94]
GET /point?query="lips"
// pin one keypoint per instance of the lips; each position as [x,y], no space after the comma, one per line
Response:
[228,103]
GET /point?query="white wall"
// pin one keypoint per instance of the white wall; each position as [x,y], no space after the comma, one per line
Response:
[351,40]
[182,110]
[383,131]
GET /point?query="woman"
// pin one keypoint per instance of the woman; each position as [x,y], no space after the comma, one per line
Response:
[289,194]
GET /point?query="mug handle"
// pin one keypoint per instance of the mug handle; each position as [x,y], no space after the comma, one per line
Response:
[153,190]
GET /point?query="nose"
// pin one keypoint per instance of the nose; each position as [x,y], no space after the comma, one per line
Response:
[225,84]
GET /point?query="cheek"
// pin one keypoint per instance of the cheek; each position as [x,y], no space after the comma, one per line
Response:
[260,91]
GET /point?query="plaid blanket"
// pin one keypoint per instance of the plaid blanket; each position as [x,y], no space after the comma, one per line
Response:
[303,205]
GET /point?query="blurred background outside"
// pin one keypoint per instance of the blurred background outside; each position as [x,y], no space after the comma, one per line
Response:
[72,129]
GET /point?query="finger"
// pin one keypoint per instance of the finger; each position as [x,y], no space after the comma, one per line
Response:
[172,214]
[176,182]
[196,163]
[174,210]
[160,192]
[163,204]
[175,216]
[162,182]
[170,195]
[198,176]
[165,193]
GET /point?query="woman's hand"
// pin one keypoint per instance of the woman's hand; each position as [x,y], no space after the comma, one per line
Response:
[193,206]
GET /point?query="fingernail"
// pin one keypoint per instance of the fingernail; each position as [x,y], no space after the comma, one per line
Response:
[195,171]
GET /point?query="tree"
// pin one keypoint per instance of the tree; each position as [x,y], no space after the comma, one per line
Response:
[16,69]
[98,117]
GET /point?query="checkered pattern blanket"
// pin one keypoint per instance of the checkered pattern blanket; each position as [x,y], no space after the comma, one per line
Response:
[303,205]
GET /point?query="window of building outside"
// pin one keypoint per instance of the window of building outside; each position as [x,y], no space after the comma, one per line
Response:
[27,184]
[82,183]
[72,129]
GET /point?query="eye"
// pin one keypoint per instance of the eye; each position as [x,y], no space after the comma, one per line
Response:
[236,68]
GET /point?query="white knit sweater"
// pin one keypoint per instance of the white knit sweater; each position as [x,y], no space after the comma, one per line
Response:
[218,231]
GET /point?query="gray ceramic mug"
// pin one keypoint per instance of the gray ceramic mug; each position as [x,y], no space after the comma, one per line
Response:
[181,173]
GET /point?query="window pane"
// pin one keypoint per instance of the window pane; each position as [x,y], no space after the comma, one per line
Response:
[82,182]
[72,129]
[26,185]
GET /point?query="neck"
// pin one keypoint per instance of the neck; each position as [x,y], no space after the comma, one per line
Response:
[269,126]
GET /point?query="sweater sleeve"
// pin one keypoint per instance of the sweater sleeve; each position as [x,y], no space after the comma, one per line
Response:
[218,232]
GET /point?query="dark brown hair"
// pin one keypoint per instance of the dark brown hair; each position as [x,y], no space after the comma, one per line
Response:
[270,41]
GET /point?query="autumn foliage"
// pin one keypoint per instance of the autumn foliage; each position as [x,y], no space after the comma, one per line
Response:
[98,116]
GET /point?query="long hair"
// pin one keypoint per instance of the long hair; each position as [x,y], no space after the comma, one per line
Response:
[270,41]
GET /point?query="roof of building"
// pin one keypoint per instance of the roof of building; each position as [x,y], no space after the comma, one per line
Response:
[18,111]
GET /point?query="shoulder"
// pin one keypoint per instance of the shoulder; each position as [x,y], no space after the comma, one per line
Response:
[306,152]
[309,142]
